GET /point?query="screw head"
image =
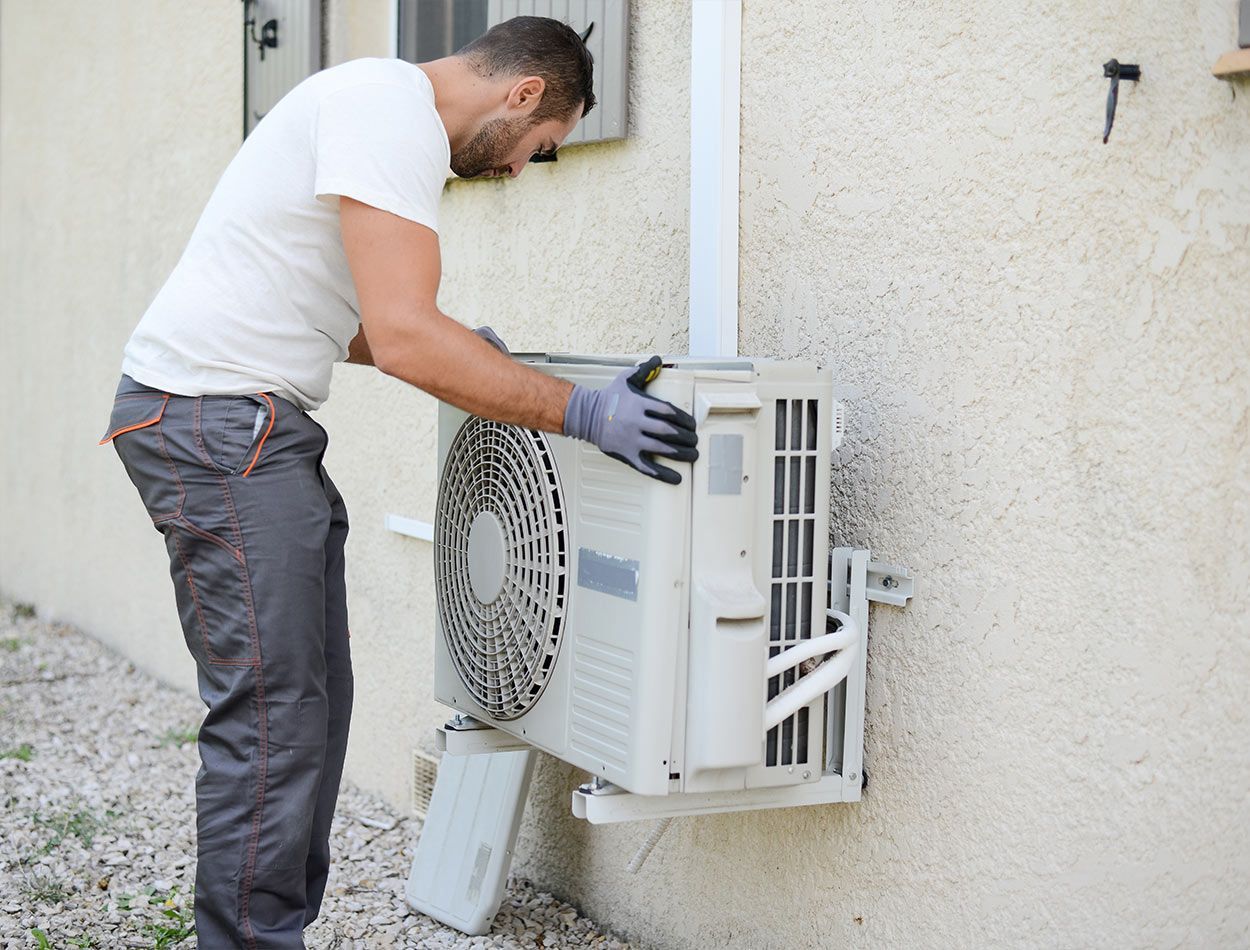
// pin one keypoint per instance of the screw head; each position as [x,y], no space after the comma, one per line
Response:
[853,777]
[742,554]
[887,582]
[807,775]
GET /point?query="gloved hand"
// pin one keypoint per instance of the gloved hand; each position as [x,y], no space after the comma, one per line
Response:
[631,426]
[490,336]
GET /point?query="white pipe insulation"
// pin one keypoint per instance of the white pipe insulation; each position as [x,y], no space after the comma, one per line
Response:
[845,640]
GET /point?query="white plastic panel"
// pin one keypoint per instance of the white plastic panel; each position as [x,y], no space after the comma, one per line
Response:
[728,613]
[461,864]
[298,53]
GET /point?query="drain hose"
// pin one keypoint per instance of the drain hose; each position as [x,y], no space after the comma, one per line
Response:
[657,832]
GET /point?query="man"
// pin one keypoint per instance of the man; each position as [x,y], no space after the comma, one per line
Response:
[320,244]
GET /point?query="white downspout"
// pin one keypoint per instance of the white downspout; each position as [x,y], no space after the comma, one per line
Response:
[715,75]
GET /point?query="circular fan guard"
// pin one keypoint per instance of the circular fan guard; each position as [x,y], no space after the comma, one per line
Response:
[505,649]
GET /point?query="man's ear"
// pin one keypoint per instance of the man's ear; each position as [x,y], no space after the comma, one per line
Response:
[526,94]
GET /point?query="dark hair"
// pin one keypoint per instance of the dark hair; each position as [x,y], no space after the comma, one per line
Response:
[538,46]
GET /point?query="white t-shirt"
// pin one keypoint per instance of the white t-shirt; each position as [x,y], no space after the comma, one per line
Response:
[262,299]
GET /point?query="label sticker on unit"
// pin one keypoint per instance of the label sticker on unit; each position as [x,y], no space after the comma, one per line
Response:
[607,574]
[724,465]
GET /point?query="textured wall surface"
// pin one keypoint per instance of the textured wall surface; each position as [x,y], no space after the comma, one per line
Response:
[1041,342]
[116,118]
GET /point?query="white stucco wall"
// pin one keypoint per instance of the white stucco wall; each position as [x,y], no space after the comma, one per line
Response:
[1041,341]
[116,118]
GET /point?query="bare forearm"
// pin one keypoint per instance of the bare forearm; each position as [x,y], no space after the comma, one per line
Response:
[435,353]
[396,265]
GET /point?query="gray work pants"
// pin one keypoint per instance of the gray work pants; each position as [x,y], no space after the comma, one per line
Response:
[255,532]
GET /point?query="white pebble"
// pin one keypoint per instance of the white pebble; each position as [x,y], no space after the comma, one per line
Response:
[99,752]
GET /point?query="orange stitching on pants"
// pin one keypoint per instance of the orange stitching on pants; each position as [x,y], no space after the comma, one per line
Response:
[209,653]
[173,469]
[209,536]
[195,597]
[138,425]
[272,414]
[262,713]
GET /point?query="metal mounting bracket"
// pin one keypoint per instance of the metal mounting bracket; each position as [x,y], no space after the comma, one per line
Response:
[889,584]
[464,735]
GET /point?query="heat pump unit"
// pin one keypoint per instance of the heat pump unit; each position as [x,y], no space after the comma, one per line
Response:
[665,639]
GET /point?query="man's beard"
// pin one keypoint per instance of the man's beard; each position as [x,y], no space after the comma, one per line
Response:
[487,149]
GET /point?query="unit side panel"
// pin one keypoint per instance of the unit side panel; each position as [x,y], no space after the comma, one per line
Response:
[724,705]
[625,614]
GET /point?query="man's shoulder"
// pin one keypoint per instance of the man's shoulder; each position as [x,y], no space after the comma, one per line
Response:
[370,71]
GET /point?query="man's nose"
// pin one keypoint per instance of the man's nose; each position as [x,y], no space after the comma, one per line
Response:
[515,169]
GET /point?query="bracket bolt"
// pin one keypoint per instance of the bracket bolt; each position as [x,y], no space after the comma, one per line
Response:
[807,775]
[887,582]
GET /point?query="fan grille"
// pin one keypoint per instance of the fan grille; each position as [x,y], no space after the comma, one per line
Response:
[504,650]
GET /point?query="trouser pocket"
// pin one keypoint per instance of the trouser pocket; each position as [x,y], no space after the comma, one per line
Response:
[232,430]
[213,591]
[156,436]
[134,411]
[134,428]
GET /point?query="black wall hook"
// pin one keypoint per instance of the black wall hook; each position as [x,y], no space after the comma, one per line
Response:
[268,38]
[1115,71]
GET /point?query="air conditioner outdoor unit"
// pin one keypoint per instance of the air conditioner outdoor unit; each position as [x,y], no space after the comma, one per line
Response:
[666,639]
[696,648]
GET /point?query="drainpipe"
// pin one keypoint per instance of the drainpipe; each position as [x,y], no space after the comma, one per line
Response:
[715,74]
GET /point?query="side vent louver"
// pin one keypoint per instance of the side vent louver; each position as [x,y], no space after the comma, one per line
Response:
[794,524]
[424,775]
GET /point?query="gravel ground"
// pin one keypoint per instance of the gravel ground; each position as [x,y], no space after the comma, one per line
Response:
[97,771]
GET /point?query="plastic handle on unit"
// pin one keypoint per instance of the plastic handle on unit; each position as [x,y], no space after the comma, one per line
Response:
[710,402]
[822,679]
[726,699]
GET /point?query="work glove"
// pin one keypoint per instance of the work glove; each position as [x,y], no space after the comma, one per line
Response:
[631,426]
[490,336]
